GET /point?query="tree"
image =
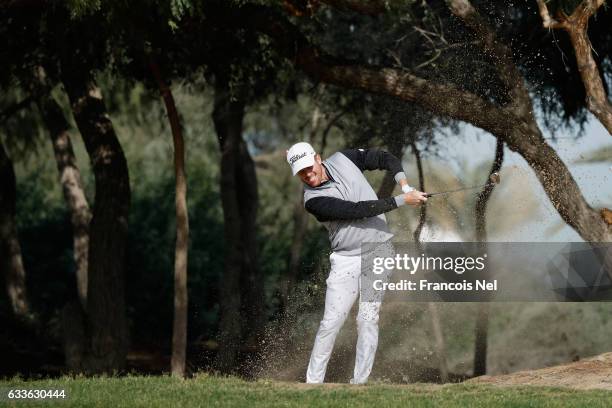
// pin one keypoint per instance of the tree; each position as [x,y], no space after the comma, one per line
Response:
[47,31]
[513,122]
[69,175]
[107,346]
[433,308]
[10,250]
[243,72]
[480,214]
[575,25]
[179,332]
[228,116]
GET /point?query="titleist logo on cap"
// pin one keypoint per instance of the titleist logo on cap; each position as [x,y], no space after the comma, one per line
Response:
[296,157]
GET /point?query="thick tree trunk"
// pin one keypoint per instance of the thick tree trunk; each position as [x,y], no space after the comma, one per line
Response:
[436,324]
[179,332]
[106,315]
[559,184]
[11,262]
[70,178]
[227,117]
[242,305]
[73,336]
[253,306]
[482,316]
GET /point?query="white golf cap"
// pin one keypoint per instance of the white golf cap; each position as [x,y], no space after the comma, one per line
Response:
[300,156]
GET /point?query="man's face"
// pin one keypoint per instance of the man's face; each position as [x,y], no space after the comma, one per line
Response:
[313,175]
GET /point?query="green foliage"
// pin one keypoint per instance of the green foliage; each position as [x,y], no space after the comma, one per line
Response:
[81,8]
[180,7]
[45,236]
[139,119]
[151,255]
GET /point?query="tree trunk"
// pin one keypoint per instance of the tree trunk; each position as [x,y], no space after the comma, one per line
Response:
[227,117]
[559,184]
[106,319]
[300,221]
[423,209]
[300,225]
[481,339]
[597,100]
[253,305]
[10,250]
[241,305]
[482,316]
[179,332]
[70,178]
[436,324]
[73,336]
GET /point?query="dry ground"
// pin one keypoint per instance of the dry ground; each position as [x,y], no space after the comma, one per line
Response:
[591,373]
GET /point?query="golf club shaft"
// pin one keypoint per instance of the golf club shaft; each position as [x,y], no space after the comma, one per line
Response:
[457,190]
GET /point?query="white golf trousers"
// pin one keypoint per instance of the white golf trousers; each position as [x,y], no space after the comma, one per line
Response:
[343,286]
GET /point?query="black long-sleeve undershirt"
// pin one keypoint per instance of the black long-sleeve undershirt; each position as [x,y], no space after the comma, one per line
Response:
[331,208]
[374,159]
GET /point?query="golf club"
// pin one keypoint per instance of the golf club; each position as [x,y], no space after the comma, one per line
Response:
[493,179]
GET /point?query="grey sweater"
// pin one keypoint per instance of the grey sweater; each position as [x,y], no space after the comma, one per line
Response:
[347,205]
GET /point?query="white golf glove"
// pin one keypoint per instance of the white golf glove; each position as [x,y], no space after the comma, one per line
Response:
[406,188]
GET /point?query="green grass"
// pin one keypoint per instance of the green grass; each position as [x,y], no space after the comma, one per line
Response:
[212,391]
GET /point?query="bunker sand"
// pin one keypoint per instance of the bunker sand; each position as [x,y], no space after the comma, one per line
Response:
[588,374]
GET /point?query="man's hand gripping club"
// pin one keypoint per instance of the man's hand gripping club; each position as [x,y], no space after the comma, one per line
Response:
[411,196]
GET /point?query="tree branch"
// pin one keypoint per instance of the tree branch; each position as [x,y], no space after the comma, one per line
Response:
[585,10]
[576,27]
[443,99]
[547,20]
[501,55]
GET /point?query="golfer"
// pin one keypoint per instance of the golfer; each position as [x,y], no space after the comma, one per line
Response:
[339,196]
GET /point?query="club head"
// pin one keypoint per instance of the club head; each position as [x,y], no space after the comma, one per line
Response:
[494,178]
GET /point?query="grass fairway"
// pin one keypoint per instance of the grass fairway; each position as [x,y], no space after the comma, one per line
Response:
[212,391]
